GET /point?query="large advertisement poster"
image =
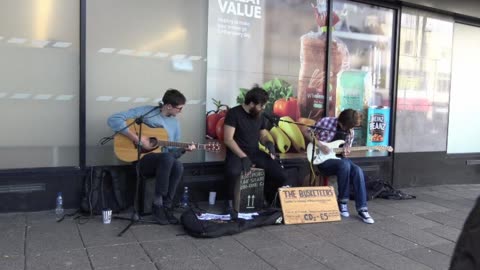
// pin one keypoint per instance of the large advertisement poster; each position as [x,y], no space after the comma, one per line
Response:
[281,45]
[255,42]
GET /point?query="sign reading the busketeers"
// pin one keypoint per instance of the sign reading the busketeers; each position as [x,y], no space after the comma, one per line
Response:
[309,205]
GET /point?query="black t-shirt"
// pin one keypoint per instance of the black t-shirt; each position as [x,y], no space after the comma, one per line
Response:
[247,128]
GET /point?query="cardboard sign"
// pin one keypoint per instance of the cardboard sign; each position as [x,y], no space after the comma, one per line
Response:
[250,191]
[309,205]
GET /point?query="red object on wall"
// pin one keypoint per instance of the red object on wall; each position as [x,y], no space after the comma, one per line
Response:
[219,129]
[287,107]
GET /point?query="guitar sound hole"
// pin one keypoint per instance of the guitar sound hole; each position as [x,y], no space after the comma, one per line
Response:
[153,141]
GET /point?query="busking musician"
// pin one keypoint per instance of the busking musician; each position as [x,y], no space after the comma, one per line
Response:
[244,128]
[330,129]
[164,166]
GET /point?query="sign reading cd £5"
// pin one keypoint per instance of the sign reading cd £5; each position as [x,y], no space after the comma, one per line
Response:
[309,205]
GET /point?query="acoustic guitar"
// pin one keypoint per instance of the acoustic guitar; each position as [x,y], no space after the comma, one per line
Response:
[319,157]
[126,150]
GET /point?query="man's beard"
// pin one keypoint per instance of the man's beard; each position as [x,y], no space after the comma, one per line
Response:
[254,112]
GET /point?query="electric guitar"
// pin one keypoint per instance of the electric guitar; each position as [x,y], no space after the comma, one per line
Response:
[126,150]
[319,157]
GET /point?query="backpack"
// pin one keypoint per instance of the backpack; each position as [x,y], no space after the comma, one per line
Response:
[104,187]
[216,228]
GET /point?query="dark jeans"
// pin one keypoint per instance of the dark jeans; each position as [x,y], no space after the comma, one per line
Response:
[275,176]
[347,172]
[167,171]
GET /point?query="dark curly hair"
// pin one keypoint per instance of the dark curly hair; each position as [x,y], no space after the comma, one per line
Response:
[257,95]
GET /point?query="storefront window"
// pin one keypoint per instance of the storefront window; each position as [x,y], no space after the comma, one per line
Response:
[423,82]
[361,68]
[39,74]
[463,127]
[135,52]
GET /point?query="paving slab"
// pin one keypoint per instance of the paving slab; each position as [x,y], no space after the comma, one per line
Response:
[446,232]
[241,260]
[95,233]
[395,261]
[349,262]
[12,262]
[446,248]
[155,232]
[12,240]
[258,238]
[171,249]
[202,263]
[72,259]
[12,219]
[286,257]
[218,247]
[53,236]
[139,266]
[429,257]
[117,255]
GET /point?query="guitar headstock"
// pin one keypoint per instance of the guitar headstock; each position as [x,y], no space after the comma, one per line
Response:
[212,146]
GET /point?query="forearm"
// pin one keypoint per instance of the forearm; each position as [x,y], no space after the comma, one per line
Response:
[265,139]
[233,146]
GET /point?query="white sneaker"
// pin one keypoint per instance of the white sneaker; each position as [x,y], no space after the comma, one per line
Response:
[343,209]
[365,216]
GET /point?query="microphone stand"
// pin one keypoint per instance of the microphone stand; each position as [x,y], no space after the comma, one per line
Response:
[135,216]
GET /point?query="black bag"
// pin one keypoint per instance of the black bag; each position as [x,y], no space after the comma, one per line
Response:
[104,187]
[216,228]
[377,188]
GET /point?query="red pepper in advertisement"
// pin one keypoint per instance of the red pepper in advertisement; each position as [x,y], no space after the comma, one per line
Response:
[219,128]
[287,107]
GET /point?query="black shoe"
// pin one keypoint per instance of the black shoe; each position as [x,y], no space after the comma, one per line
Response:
[170,216]
[159,215]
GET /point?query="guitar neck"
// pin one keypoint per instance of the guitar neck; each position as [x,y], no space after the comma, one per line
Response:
[357,148]
[180,144]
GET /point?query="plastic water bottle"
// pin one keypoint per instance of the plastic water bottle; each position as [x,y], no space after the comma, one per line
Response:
[184,202]
[59,206]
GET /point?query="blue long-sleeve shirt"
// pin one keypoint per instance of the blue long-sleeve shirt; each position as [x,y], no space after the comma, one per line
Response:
[154,119]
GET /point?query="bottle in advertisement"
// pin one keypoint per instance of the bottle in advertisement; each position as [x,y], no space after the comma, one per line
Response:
[311,82]
[378,126]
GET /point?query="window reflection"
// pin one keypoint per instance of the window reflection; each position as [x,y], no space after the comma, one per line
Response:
[423,82]
[363,82]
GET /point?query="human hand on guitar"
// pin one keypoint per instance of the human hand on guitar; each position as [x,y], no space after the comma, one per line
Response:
[324,148]
[146,144]
[346,151]
[191,147]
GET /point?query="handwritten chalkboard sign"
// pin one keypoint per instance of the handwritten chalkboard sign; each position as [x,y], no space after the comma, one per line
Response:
[309,205]
[249,193]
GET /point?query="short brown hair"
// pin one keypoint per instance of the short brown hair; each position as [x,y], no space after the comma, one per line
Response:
[349,118]
[173,97]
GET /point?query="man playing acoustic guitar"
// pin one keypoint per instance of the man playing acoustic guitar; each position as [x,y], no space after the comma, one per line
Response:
[330,129]
[164,166]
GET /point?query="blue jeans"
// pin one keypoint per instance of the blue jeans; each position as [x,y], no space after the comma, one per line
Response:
[347,172]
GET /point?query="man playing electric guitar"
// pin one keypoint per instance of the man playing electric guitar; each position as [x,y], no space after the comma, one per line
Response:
[330,129]
[164,166]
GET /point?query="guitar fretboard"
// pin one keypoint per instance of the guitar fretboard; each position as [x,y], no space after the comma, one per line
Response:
[180,144]
[362,148]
